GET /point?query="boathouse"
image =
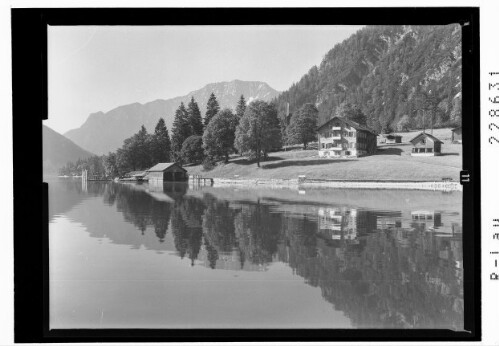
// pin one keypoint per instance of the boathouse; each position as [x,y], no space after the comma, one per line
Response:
[167,171]
[426,145]
[457,136]
[340,137]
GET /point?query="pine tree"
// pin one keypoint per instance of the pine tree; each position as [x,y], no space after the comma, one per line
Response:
[180,131]
[195,120]
[161,145]
[212,108]
[241,107]
[141,142]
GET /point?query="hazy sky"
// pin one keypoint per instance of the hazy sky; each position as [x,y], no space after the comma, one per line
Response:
[93,69]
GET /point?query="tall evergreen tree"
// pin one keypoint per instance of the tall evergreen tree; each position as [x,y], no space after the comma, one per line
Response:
[141,142]
[180,131]
[212,108]
[195,120]
[161,145]
[240,108]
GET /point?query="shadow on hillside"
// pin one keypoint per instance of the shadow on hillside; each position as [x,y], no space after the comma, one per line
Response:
[246,161]
[289,163]
[389,151]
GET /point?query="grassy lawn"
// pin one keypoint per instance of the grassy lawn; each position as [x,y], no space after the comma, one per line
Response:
[392,161]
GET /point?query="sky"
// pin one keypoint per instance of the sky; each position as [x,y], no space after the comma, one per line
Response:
[93,69]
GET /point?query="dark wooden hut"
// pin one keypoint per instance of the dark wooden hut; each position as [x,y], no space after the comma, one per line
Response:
[166,171]
[393,139]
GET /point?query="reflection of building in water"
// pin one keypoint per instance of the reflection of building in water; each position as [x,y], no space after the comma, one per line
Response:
[389,220]
[431,219]
[436,221]
[343,223]
[338,223]
[233,260]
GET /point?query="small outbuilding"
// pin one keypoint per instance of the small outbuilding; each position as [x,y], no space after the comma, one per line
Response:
[167,171]
[392,139]
[426,145]
[457,136]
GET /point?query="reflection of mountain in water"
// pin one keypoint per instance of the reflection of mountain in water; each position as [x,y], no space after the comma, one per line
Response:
[65,194]
[382,268]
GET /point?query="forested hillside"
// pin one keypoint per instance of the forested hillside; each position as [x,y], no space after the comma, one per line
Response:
[58,151]
[401,77]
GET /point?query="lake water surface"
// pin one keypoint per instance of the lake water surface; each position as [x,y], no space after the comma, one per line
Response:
[174,256]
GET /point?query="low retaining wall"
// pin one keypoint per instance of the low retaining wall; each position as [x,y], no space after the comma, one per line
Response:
[319,183]
[422,185]
[274,183]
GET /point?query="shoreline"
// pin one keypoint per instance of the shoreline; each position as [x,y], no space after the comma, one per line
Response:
[343,184]
[298,183]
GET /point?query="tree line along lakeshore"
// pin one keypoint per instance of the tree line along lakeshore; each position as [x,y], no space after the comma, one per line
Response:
[253,130]
[204,145]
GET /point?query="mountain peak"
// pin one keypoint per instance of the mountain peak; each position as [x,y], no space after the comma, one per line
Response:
[94,134]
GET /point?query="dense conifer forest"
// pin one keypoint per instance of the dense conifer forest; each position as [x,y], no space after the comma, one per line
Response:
[401,77]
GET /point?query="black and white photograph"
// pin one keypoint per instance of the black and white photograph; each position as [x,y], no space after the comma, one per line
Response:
[255,177]
[251,174]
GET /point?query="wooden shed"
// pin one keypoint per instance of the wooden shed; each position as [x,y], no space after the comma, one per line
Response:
[167,171]
[426,145]
[393,139]
[457,135]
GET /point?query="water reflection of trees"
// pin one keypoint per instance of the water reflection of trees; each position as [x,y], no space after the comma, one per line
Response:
[380,275]
[139,208]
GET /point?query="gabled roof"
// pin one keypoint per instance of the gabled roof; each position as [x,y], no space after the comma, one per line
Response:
[350,123]
[162,166]
[427,135]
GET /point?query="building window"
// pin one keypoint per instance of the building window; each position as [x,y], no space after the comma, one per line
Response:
[423,141]
[323,145]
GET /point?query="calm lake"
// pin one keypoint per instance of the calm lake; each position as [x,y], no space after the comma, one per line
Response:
[178,256]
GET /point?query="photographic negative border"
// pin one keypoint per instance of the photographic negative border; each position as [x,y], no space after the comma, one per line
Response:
[30,107]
